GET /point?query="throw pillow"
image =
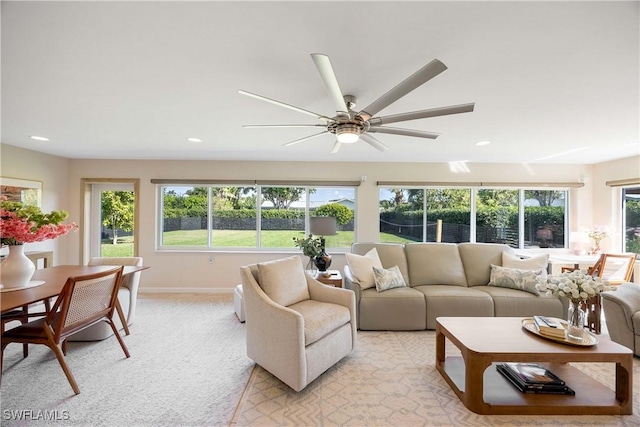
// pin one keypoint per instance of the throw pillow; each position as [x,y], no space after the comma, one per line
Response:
[362,267]
[388,278]
[533,263]
[513,278]
[284,280]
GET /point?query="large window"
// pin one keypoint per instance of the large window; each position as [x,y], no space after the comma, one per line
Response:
[448,215]
[631,223]
[401,215]
[517,217]
[497,216]
[205,217]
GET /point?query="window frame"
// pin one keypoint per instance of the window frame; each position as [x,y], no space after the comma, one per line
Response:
[161,184]
[473,204]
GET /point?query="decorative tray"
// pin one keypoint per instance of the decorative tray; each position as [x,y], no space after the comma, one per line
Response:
[31,284]
[588,339]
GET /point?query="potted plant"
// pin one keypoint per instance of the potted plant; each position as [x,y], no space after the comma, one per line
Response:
[20,224]
[311,247]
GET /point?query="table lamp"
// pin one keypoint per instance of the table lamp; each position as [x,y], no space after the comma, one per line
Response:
[577,239]
[322,226]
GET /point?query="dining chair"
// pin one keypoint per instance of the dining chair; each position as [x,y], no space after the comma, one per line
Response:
[84,301]
[18,315]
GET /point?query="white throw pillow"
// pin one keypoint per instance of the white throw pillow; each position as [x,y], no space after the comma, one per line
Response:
[513,278]
[388,278]
[362,267]
[533,263]
[284,280]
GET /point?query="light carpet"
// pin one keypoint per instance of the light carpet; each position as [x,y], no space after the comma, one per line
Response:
[188,367]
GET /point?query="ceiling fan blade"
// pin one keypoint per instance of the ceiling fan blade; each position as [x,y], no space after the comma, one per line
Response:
[423,114]
[412,82]
[284,126]
[323,64]
[282,104]
[336,147]
[405,132]
[371,140]
[304,139]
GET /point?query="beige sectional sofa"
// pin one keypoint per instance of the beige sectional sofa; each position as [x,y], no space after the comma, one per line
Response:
[443,279]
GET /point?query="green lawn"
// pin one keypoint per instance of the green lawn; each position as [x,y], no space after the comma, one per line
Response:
[248,238]
[124,248]
[237,239]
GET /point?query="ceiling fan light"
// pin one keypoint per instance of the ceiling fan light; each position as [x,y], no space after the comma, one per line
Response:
[348,134]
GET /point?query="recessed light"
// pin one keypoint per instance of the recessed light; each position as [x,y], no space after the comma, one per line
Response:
[194,140]
[481,143]
[39,138]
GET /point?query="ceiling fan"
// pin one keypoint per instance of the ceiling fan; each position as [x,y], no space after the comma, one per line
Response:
[349,126]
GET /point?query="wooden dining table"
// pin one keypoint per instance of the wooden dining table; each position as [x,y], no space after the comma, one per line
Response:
[54,279]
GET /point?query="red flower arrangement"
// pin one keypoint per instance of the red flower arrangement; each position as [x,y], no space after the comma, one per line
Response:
[21,224]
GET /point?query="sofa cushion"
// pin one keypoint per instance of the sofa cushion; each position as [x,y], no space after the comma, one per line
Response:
[390,254]
[446,300]
[283,280]
[477,259]
[513,303]
[398,309]
[388,278]
[435,264]
[514,278]
[533,263]
[362,267]
[320,318]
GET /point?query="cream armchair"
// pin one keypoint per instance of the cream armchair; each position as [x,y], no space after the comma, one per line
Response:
[297,328]
[622,315]
[127,296]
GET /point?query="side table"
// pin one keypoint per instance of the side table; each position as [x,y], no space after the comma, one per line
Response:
[335,279]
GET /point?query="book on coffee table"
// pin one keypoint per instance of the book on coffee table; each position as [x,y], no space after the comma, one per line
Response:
[549,326]
[533,378]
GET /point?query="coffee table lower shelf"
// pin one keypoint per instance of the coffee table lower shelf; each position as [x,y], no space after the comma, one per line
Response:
[502,398]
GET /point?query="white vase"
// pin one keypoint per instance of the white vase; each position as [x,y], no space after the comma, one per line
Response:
[16,270]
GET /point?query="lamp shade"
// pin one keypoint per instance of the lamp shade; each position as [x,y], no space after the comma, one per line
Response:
[578,237]
[322,225]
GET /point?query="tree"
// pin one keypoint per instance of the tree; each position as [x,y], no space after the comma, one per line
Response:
[544,197]
[117,211]
[341,213]
[493,198]
[282,197]
[398,196]
[448,198]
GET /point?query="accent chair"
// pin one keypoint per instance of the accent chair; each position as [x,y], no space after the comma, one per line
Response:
[297,327]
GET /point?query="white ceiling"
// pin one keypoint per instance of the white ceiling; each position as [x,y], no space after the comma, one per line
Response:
[553,82]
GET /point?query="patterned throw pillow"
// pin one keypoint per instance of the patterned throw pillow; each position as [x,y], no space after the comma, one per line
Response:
[532,263]
[513,278]
[388,278]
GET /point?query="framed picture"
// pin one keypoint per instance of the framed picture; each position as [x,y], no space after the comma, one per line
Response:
[21,190]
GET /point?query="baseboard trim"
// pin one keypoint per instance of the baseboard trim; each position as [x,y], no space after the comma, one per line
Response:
[183,290]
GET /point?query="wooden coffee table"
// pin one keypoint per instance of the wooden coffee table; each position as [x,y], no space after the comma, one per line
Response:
[485,341]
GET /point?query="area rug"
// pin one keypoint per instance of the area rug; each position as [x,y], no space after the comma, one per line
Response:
[188,367]
[391,380]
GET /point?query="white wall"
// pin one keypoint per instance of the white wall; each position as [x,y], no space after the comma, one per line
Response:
[192,271]
[52,171]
